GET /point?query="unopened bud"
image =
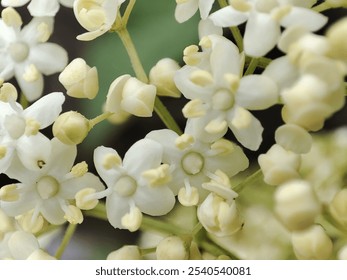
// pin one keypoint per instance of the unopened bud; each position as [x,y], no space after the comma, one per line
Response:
[172,248]
[127,252]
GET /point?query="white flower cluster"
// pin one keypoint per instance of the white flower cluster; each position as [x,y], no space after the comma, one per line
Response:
[223,80]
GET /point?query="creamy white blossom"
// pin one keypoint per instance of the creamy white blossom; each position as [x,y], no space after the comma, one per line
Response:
[185,9]
[267,17]
[19,131]
[136,185]
[220,97]
[39,8]
[51,190]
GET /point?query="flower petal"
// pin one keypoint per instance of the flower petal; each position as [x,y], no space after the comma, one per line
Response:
[256,92]
[22,244]
[30,34]
[49,58]
[13,3]
[46,109]
[205,7]
[116,208]
[52,212]
[255,43]
[145,154]
[186,10]
[228,16]
[42,8]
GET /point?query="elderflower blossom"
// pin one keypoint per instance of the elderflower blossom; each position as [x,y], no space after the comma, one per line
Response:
[185,9]
[219,96]
[267,17]
[39,8]
[26,54]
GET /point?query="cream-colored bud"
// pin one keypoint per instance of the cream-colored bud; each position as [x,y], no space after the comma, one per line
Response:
[71,128]
[138,98]
[9,193]
[338,207]
[162,76]
[338,40]
[296,204]
[312,244]
[127,252]
[172,248]
[8,92]
[80,80]
[279,165]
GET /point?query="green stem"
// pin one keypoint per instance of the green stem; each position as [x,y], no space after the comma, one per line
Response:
[128,11]
[214,249]
[252,66]
[99,119]
[67,237]
[322,7]
[149,223]
[257,175]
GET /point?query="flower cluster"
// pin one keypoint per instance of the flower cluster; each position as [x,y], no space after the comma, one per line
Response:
[192,182]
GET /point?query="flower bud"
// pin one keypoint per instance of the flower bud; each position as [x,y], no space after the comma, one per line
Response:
[71,128]
[162,76]
[338,207]
[312,243]
[8,92]
[296,204]
[337,38]
[80,80]
[127,252]
[172,248]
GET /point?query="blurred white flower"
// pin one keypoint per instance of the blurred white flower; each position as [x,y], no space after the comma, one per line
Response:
[25,54]
[136,185]
[185,9]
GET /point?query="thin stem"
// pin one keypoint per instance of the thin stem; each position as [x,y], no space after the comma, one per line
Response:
[214,249]
[23,101]
[252,66]
[147,251]
[257,175]
[99,119]
[67,237]
[196,229]
[263,62]
[322,7]
[128,11]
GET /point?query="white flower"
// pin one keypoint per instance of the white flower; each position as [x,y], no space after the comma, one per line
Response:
[219,97]
[19,131]
[97,16]
[193,162]
[267,17]
[138,184]
[185,9]
[39,8]
[51,190]
[26,55]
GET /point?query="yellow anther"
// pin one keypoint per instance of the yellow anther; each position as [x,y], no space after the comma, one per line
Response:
[9,193]
[3,151]
[205,42]
[201,78]
[184,141]
[216,126]
[158,176]
[223,147]
[191,55]
[233,82]
[7,92]
[73,215]
[82,199]
[188,197]
[79,169]
[44,32]
[242,118]
[240,5]
[29,224]
[132,220]
[11,17]
[111,161]
[32,127]
[193,109]
[279,13]
[31,74]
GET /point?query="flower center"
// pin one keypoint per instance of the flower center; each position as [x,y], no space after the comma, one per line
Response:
[125,186]
[15,125]
[192,163]
[19,51]
[222,100]
[47,187]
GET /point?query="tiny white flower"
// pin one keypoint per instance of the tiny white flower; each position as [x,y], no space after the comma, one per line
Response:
[135,185]
[267,17]
[51,190]
[185,9]
[25,54]
[19,131]
[97,16]
[39,8]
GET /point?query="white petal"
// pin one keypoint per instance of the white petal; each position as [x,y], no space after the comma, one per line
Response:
[154,201]
[108,175]
[256,92]
[205,7]
[22,244]
[114,95]
[34,151]
[88,36]
[42,8]
[116,208]
[13,3]
[261,34]
[32,90]
[30,34]
[52,212]
[46,109]
[49,58]
[207,27]
[6,67]
[246,128]
[6,161]
[19,172]
[228,16]
[307,18]
[186,10]
[145,154]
